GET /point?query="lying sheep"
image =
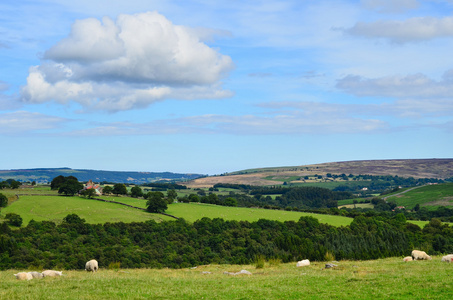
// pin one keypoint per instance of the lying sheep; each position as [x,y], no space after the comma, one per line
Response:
[447,258]
[51,273]
[36,274]
[23,276]
[92,266]
[420,255]
[408,258]
[303,263]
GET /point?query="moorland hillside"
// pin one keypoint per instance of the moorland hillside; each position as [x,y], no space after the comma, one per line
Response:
[417,168]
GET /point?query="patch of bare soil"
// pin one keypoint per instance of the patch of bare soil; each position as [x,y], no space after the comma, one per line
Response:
[447,201]
[249,179]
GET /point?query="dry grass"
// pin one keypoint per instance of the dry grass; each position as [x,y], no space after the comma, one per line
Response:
[417,168]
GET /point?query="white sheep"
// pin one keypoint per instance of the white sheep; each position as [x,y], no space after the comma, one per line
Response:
[448,258]
[408,258]
[36,274]
[51,273]
[23,276]
[420,255]
[303,263]
[91,265]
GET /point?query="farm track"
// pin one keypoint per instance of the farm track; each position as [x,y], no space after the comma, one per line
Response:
[385,198]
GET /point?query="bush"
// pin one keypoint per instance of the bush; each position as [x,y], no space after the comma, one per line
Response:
[115,265]
[13,219]
[329,256]
[3,200]
[259,261]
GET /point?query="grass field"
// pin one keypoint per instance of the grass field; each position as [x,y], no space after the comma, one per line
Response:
[389,278]
[55,208]
[195,211]
[430,196]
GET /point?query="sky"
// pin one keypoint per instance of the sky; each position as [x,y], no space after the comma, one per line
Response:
[211,87]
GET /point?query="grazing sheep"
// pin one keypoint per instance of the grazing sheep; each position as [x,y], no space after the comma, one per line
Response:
[36,274]
[303,263]
[420,255]
[448,258]
[51,273]
[92,266]
[23,276]
[408,258]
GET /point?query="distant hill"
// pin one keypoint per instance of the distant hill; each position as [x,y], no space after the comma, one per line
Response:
[417,168]
[46,175]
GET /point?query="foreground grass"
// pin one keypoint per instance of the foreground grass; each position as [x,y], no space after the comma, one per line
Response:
[378,279]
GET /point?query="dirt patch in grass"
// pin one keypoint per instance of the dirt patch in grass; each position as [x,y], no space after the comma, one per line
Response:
[447,201]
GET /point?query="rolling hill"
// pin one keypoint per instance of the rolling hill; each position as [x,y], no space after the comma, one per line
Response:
[45,175]
[417,168]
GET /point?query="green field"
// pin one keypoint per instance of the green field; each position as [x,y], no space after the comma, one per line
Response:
[55,208]
[431,196]
[389,278]
[195,211]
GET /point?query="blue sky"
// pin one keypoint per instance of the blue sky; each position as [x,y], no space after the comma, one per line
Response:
[217,86]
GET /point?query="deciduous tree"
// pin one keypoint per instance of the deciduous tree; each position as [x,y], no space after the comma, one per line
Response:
[156,202]
[119,189]
[3,200]
[136,192]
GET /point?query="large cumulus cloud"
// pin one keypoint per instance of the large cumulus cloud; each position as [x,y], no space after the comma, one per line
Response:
[126,64]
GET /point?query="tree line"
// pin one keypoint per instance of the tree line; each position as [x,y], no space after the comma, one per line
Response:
[180,244]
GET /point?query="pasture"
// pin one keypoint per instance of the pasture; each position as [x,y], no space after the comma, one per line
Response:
[431,196]
[55,208]
[389,278]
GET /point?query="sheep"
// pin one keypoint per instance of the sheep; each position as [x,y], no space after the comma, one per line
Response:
[36,274]
[23,276]
[51,273]
[91,265]
[408,258]
[303,263]
[420,255]
[447,258]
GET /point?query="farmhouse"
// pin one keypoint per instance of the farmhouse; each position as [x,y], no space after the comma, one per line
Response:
[91,185]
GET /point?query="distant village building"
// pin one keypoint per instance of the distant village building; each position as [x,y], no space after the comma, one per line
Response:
[91,185]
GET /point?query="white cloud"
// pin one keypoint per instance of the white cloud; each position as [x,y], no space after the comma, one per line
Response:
[127,64]
[410,30]
[401,108]
[393,6]
[292,123]
[410,86]
[23,122]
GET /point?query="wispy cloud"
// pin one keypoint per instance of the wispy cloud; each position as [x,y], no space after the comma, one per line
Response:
[24,122]
[410,30]
[410,86]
